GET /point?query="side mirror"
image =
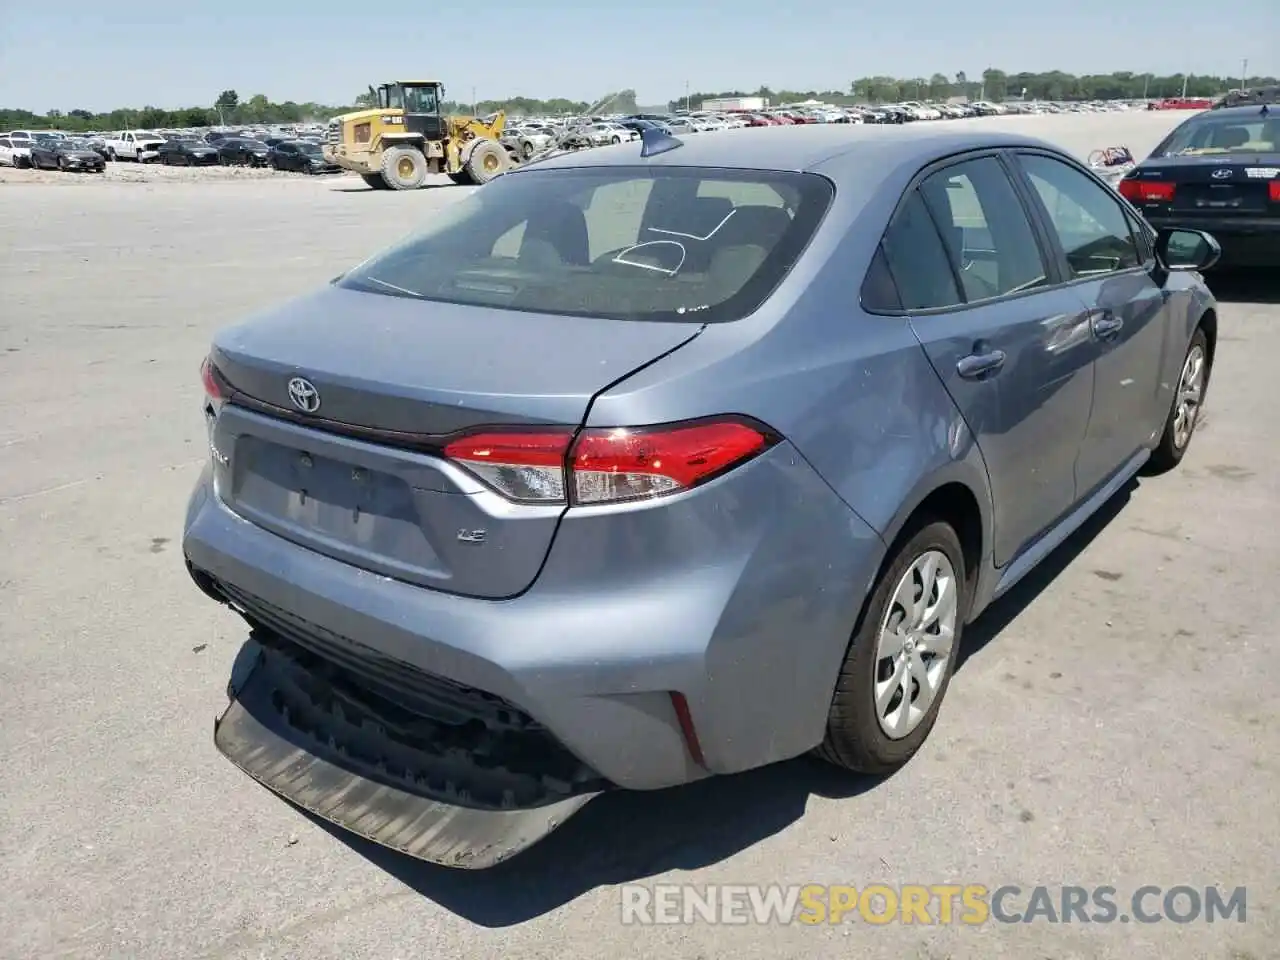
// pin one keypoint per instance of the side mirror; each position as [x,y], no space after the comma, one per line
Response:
[1183,249]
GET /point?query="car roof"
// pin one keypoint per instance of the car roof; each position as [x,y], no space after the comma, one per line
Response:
[837,148]
[1239,111]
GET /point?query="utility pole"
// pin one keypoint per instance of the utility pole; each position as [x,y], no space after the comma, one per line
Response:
[1244,74]
[473,101]
[1185,78]
[686,96]
[1146,85]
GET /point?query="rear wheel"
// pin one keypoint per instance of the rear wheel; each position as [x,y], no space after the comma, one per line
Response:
[404,168]
[488,160]
[1188,401]
[526,149]
[900,659]
[616,139]
[375,181]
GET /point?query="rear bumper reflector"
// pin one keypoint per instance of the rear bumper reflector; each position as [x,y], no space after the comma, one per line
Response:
[690,732]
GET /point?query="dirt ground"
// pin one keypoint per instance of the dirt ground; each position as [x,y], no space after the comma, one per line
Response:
[1091,735]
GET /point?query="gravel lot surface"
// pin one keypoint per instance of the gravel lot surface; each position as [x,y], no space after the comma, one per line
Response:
[1091,736]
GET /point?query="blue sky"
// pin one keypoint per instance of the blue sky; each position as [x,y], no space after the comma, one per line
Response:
[101,54]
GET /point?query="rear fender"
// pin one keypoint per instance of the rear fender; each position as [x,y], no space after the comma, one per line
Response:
[966,468]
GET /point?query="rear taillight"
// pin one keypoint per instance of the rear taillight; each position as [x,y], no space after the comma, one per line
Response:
[526,465]
[1147,191]
[212,382]
[1273,189]
[608,465]
[626,464]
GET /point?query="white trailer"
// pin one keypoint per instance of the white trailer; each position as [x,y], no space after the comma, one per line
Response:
[734,105]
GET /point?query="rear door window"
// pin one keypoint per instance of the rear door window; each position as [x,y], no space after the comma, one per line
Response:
[702,245]
[985,229]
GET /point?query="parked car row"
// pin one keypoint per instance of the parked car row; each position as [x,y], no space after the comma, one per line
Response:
[58,151]
[529,135]
[217,149]
[65,153]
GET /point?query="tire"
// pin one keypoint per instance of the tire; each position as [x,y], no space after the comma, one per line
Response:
[488,160]
[404,168]
[856,739]
[527,149]
[375,181]
[1184,411]
[111,155]
[62,165]
[616,139]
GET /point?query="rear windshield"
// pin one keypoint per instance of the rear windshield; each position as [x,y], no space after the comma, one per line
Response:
[699,244]
[1208,134]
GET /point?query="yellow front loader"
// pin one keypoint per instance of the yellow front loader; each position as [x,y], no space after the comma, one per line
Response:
[403,140]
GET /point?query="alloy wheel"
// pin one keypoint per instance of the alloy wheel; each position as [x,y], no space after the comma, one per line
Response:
[913,647]
[1190,390]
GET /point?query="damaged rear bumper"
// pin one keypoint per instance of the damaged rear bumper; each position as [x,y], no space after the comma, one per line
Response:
[468,793]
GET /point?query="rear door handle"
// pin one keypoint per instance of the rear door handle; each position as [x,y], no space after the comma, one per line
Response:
[1105,324]
[979,365]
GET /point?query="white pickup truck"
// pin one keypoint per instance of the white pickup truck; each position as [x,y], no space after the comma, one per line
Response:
[137,145]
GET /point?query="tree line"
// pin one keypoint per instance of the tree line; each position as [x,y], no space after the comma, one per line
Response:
[997,86]
[229,109]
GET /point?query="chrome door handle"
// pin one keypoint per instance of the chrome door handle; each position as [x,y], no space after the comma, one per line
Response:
[1105,325]
[979,365]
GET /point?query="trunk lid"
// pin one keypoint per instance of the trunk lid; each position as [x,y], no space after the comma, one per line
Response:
[359,477]
[1217,185]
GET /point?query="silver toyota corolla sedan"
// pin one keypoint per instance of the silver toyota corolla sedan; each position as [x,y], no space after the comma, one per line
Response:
[673,459]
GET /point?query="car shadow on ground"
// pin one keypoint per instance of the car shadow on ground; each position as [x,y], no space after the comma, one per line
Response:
[362,187]
[1241,286]
[629,836]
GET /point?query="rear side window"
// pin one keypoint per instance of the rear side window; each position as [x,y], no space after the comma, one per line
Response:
[703,245]
[878,291]
[917,259]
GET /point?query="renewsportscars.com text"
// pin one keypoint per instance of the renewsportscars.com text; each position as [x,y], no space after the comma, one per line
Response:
[940,904]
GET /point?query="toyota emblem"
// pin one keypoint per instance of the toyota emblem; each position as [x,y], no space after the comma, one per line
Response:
[1222,173]
[304,395]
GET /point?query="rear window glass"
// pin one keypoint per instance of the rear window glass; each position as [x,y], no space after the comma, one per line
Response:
[698,244]
[1208,134]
